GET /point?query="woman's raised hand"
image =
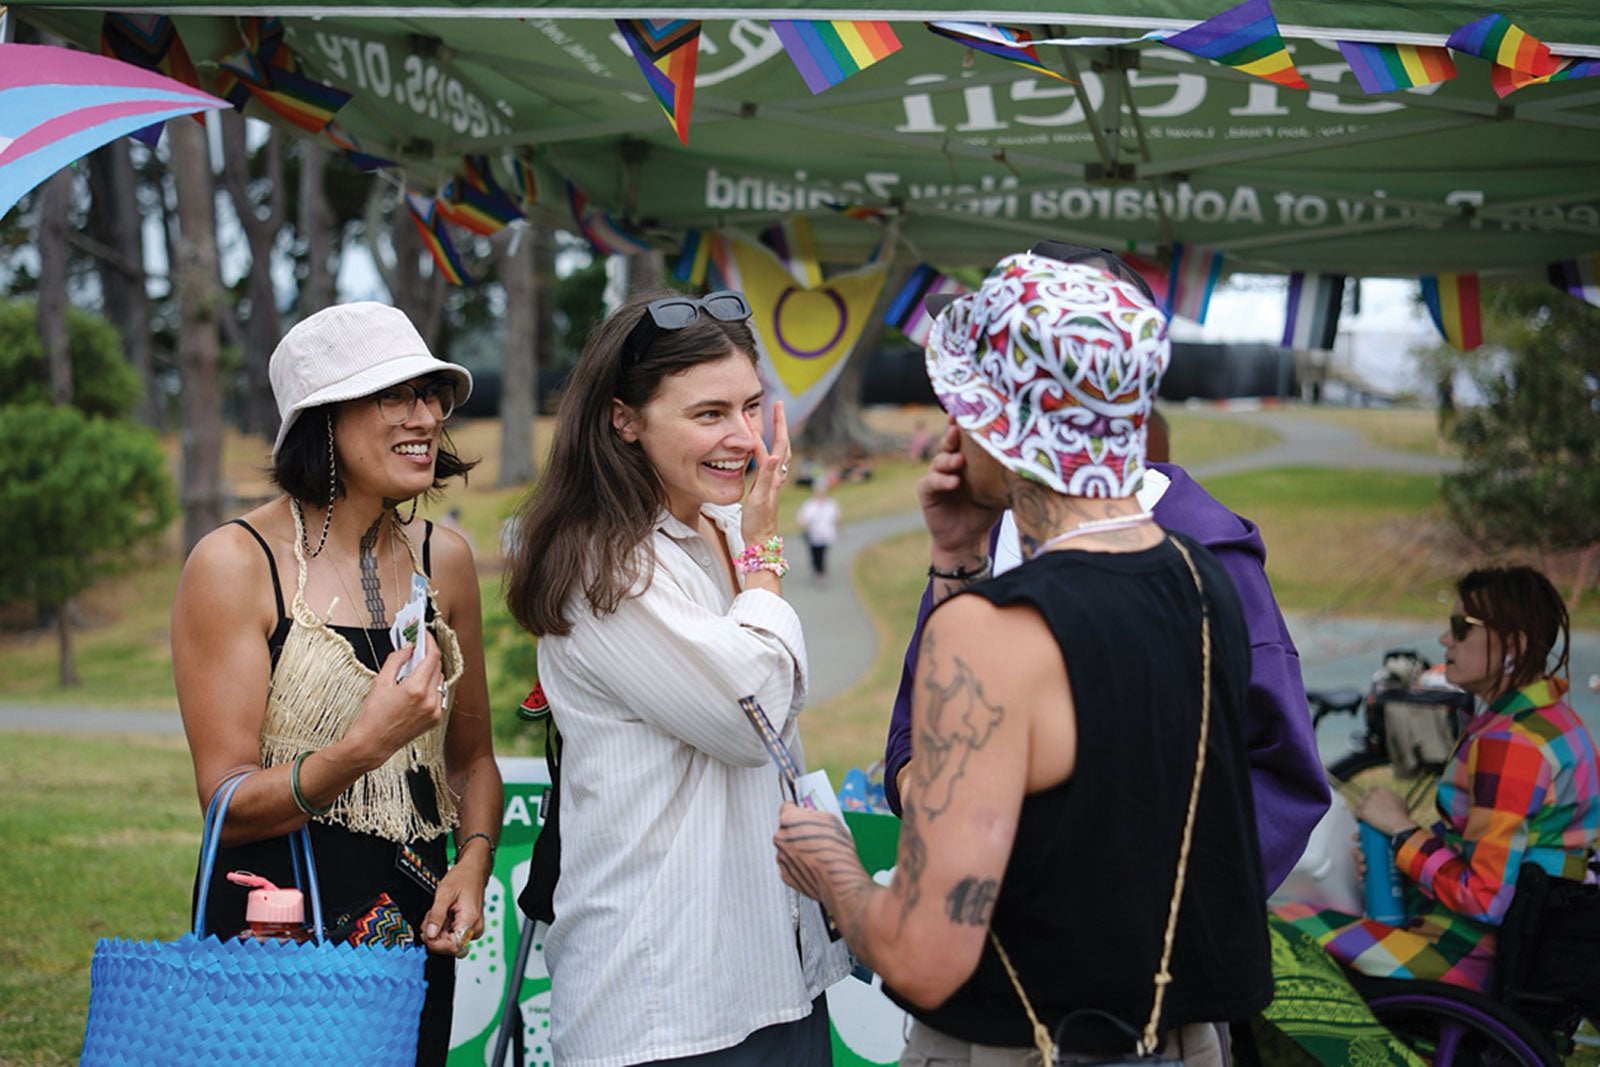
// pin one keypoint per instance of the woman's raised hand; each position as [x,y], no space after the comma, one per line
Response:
[395,713]
[760,515]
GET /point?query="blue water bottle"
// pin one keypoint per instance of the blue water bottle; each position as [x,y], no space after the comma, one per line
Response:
[1381,894]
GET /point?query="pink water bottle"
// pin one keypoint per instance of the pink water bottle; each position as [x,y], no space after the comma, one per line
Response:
[273,914]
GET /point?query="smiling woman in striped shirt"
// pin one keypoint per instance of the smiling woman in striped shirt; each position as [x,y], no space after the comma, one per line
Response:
[658,604]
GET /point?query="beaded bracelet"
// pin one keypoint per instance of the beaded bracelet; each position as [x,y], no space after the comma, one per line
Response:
[767,556]
[962,574]
[300,800]
[461,845]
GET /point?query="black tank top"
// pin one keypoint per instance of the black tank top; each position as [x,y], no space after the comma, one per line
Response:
[1084,902]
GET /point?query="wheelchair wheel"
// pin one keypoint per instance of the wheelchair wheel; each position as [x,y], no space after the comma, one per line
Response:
[1449,1026]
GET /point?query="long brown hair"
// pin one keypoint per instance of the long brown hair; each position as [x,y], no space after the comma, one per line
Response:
[1520,602]
[599,496]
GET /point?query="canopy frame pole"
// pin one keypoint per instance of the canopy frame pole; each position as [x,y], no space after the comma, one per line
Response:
[8,25]
[1127,59]
[1105,135]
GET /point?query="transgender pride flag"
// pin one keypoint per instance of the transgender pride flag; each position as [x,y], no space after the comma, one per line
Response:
[1195,271]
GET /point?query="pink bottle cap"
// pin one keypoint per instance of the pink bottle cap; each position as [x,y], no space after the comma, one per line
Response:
[268,903]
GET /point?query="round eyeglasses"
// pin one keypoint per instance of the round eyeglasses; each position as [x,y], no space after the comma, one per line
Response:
[397,402]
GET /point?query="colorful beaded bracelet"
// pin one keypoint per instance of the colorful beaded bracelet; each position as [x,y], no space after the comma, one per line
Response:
[767,556]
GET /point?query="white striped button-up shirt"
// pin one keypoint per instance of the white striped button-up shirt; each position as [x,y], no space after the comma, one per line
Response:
[674,934]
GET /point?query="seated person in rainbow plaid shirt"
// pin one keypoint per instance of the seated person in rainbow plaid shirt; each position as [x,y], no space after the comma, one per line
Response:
[1521,787]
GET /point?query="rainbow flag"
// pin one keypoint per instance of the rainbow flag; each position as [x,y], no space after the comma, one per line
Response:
[437,241]
[1579,277]
[1311,319]
[151,42]
[908,311]
[474,201]
[1245,38]
[1497,39]
[605,235]
[526,182]
[695,259]
[1383,68]
[268,71]
[1193,279]
[358,157]
[796,248]
[1452,301]
[1004,42]
[666,50]
[1507,81]
[826,53]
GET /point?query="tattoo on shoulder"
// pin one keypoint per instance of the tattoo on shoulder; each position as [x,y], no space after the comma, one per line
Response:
[959,722]
[972,901]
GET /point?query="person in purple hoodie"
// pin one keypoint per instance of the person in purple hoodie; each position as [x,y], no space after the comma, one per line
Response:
[1286,776]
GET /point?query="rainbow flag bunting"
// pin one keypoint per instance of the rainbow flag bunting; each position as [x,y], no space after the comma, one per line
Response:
[1497,39]
[358,157]
[474,201]
[826,53]
[431,227]
[1507,81]
[527,184]
[268,71]
[1452,301]
[605,235]
[1004,42]
[1383,68]
[908,311]
[695,260]
[1193,279]
[1311,319]
[1245,38]
[1579,277]
[795,245]
[151,42]
[666,50]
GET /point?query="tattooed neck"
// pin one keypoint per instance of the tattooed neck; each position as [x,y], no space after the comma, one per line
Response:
[370,584]
[1042,513]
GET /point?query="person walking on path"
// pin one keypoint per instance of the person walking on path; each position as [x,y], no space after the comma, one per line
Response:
[819,518]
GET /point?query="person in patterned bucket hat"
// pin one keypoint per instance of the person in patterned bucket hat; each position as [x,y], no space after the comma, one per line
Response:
[1058,716]
[1053,369]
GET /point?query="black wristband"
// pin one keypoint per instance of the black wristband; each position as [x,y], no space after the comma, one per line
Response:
[961,574]
[1400,837]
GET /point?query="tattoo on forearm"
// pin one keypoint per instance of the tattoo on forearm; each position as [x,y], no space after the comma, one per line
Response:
[944,588]
[959,722]
[912,861]
[972,901]
[370,585]
[822,862]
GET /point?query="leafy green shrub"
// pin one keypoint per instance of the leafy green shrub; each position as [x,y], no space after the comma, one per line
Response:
[103,382]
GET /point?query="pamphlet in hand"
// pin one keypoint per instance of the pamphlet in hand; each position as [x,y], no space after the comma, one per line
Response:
[409,628]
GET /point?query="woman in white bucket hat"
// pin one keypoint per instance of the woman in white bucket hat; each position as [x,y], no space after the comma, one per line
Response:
[283,658]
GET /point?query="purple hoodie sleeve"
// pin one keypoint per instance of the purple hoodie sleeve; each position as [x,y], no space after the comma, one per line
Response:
[1286,774]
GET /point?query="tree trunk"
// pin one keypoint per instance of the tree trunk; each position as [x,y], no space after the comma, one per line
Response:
[117,223]
[645,271]
[518,378]
[316,223]
[1586,559]
[68,674]
[55,201]
[199,295]
[264,326]
[544,295]
[835,428]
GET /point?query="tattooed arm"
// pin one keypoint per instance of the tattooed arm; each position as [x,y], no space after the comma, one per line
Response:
[977,678]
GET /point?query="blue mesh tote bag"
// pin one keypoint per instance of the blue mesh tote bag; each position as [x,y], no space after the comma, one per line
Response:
[200,1001]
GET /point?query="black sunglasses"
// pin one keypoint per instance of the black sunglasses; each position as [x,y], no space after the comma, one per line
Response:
[1461,626]
[676,312]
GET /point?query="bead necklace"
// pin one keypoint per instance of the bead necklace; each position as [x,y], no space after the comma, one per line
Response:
[1116,522]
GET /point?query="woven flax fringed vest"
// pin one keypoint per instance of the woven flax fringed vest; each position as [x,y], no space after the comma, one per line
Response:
[316,695]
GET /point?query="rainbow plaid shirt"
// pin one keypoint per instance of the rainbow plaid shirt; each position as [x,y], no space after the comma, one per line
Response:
[1522,787]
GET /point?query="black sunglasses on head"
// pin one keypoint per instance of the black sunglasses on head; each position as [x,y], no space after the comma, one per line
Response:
[676,312]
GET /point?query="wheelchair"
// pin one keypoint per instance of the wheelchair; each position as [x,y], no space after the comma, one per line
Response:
[1547,981]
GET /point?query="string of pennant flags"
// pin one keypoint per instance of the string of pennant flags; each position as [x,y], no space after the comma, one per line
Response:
[826,53]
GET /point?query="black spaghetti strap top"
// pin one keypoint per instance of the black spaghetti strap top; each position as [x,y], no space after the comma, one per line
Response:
[370,655]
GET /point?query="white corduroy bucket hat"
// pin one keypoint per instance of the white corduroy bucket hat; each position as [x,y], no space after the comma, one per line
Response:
[349,351]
